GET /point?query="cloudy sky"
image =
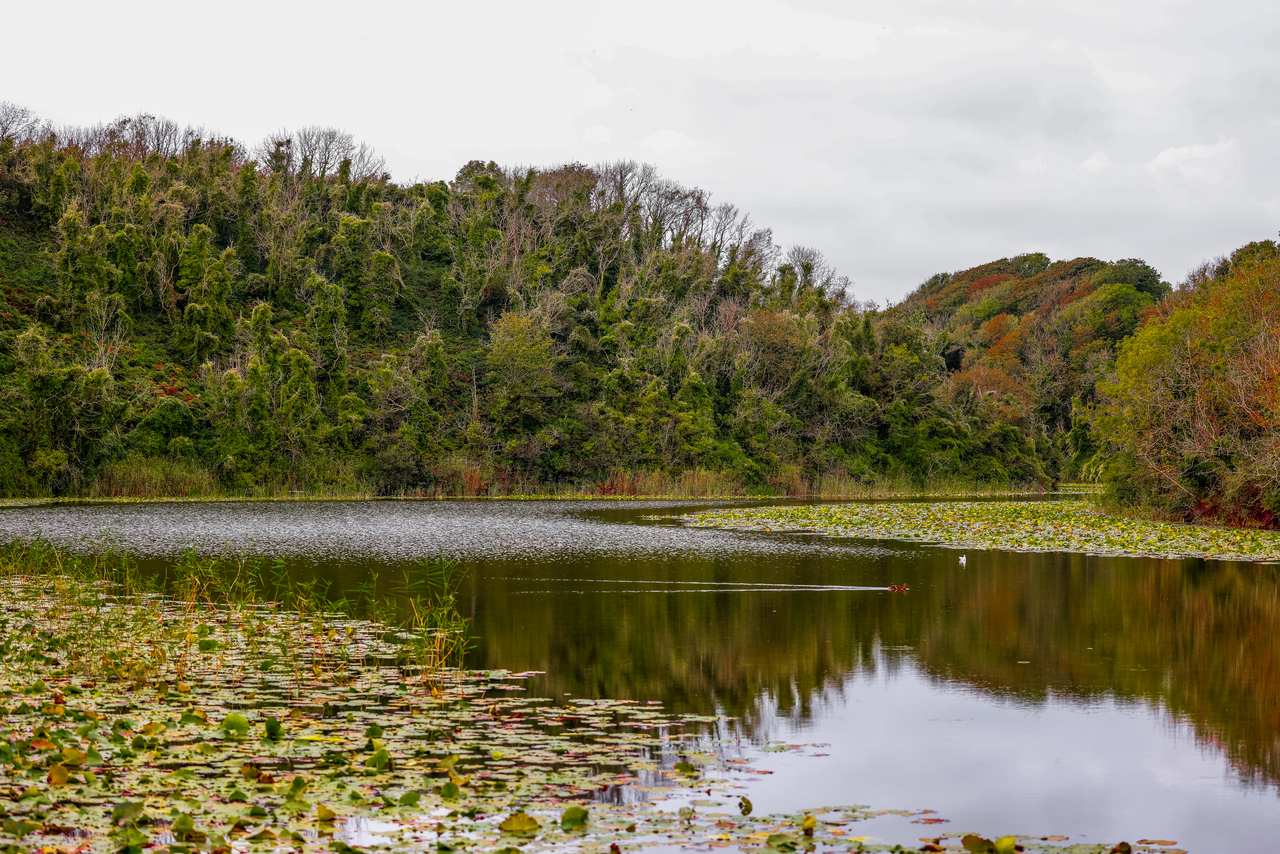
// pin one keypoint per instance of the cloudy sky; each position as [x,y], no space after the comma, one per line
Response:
[900,137]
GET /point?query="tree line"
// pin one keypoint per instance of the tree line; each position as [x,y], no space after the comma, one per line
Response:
[183,314]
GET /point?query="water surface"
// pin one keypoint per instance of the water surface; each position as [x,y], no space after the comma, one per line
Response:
[1101,698]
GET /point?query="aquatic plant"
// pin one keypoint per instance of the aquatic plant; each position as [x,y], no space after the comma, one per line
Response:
[1046,526]
[206,721]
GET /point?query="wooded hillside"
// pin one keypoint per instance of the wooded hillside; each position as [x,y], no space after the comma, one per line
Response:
[183,315]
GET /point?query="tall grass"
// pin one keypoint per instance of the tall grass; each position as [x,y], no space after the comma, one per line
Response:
[161,478]
[691,483]
[173,607]
[787,482]
[148,477]
[835,485]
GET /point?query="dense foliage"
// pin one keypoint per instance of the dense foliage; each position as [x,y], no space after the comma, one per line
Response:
[1192,416]
[1034,337]
[180,315]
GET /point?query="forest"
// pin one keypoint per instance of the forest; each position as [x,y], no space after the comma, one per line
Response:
[182,315]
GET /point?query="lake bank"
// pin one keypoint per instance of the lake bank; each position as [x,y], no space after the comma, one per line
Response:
[835,490]
[868,495]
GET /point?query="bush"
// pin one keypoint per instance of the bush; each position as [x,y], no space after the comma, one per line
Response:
[1191,419]
[154,477]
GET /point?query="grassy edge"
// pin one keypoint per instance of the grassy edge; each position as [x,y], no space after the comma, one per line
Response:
[870,492]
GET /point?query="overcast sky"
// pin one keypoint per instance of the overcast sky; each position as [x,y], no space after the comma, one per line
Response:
[900,137]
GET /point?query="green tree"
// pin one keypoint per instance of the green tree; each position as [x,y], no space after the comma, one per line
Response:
[521,372]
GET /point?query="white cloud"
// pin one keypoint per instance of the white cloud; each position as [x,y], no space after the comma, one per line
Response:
[596,135]
[666,142]
[1035,164]
[1096,163]
[1203,162]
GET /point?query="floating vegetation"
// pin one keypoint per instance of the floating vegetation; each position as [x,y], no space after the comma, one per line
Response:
[185,721]
[1043,526]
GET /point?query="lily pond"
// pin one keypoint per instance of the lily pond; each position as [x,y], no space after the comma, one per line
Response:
[630,677]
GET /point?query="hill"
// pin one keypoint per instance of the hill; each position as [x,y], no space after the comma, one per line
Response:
[183,316]
[1190,420]
[1033,337]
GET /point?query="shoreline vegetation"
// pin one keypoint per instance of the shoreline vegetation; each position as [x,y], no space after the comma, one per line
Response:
[259,713]
[651,489]
[1066,526]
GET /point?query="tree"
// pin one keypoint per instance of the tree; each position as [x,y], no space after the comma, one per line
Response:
[292,312]
[17,124]
[521,372]
[81,259]
[1191,419]
[193,262]
[327,323]
[208,323]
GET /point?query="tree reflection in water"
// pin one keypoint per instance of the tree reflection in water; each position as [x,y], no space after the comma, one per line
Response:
[1194,639]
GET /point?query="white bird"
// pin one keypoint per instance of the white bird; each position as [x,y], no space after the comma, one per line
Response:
[963,560]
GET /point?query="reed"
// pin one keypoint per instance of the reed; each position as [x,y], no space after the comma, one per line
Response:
[155,479]
[172,608]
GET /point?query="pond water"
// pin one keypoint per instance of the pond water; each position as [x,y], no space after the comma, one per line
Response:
[1099,698]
